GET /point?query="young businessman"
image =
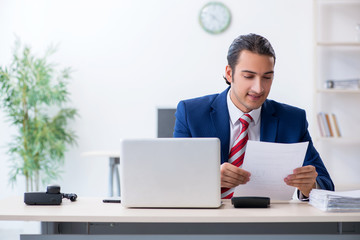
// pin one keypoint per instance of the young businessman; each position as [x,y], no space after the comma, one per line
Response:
[250,73]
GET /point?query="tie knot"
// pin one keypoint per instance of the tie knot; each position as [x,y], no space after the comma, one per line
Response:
[245,120]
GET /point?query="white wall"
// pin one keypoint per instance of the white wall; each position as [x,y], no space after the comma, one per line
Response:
[131,57]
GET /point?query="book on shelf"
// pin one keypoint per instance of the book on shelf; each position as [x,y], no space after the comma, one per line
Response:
[327,119]
[345,84]
[325,200]
[328,125]
[334,123]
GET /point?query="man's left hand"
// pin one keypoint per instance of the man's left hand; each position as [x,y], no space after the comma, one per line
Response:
[303,178]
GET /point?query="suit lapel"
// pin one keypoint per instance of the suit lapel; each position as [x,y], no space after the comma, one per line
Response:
[220,118]
[269,123]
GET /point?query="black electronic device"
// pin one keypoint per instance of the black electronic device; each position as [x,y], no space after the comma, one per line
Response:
[112,200]
[52,196]
[250,202]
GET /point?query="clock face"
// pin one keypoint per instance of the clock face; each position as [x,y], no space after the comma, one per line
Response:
[215,17]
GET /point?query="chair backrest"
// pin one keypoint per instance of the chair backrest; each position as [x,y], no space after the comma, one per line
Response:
[166,122]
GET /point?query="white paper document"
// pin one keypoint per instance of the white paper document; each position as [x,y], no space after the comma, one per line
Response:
[269,164]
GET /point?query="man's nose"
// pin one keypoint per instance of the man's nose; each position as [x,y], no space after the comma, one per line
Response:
[257,85]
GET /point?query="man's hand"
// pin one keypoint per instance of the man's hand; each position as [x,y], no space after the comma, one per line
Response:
[232,176]
[303,178]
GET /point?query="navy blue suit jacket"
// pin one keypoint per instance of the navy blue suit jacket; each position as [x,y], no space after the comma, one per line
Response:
[208,116]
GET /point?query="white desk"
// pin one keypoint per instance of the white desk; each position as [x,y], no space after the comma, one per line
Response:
[87,216]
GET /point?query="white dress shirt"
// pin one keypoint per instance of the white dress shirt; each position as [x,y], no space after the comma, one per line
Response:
[235,125]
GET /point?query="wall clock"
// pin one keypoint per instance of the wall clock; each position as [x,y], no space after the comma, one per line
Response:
[214,17]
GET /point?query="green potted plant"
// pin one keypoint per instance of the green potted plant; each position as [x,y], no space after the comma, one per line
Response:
[34,97]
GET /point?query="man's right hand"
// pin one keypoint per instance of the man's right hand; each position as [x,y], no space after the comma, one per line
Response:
[232,176]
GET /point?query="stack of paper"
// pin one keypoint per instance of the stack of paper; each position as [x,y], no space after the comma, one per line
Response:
[335,201]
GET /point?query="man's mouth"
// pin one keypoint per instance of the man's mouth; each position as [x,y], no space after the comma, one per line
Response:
[254,97]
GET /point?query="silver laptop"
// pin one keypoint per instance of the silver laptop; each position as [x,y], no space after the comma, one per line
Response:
[170,173]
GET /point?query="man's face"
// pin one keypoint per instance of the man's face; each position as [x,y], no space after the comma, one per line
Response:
[251,81]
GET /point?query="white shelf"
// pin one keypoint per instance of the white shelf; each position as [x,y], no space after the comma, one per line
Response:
[356,91]
[338,44]
[339,2]
[336,56]
[339,140]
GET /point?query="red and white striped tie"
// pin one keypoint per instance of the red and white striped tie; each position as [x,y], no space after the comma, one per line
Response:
[237,152]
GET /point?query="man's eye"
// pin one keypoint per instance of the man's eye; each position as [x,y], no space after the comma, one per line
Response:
[248,76]
[267,77]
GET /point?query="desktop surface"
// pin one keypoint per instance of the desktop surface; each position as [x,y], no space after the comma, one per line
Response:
[94,210]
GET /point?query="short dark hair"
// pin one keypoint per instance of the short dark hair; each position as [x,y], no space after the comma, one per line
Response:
[251,42]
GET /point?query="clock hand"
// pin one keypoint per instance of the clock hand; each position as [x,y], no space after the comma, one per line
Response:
[214,17]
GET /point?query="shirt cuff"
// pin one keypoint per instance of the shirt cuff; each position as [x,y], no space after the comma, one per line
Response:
[302,197]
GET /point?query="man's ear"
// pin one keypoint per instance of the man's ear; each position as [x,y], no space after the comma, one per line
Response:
[228,74]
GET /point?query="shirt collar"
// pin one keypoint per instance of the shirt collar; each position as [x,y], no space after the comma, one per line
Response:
[236,113]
